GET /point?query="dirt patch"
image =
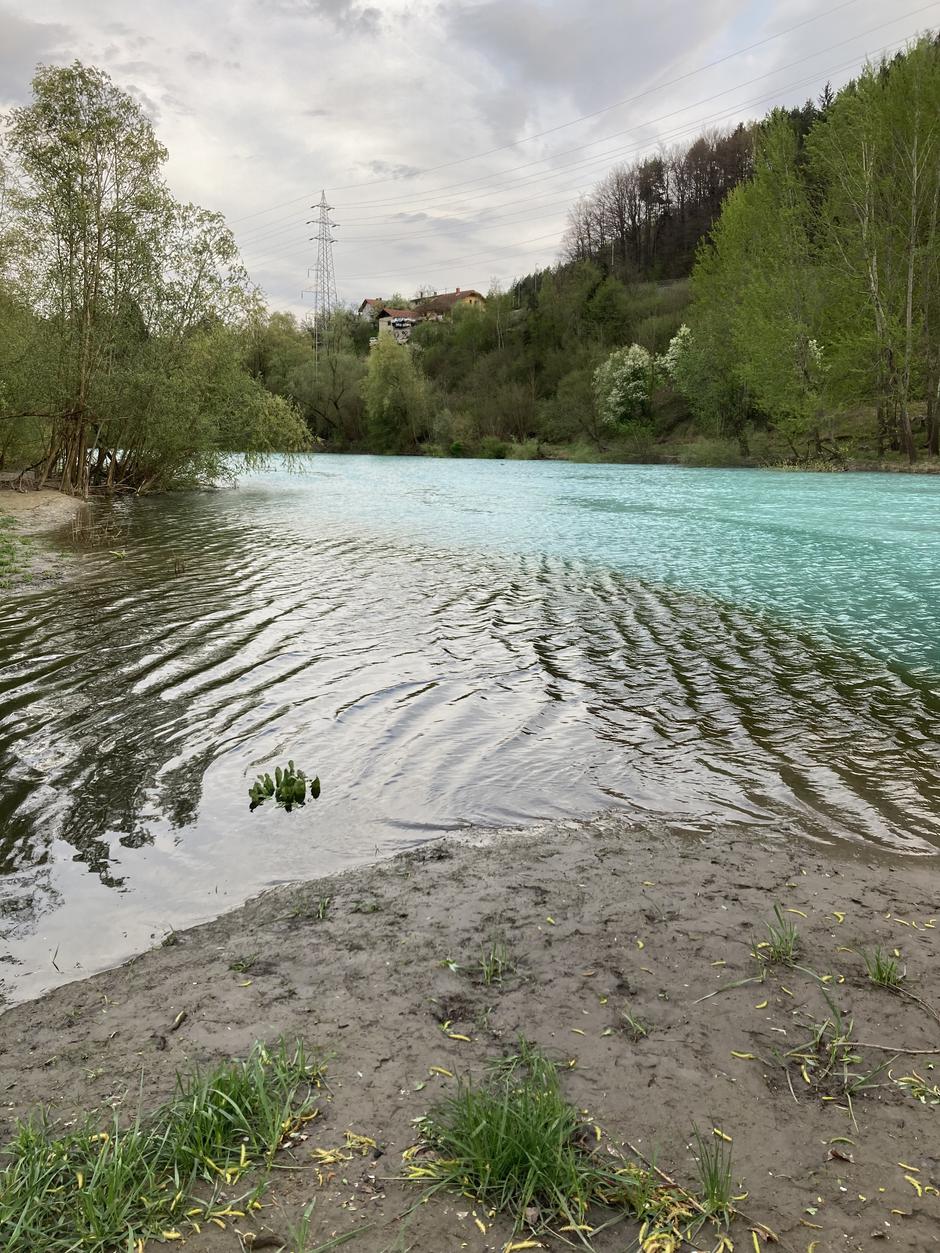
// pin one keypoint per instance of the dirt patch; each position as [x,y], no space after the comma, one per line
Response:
[25,518]
[44,510]
[600,921]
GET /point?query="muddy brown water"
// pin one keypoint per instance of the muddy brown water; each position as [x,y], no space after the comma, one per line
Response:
[446,644]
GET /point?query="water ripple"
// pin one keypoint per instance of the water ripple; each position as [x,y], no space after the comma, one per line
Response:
[448,644]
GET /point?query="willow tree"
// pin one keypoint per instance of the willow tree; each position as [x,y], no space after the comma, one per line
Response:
[136,302]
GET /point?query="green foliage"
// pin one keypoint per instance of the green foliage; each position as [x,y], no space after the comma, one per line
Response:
[287,788]
[516,1146]
[102,1189]
[782,940]
[396,398]
[123,312]
[820,286]
[882,968]
[623,386]
[12,549]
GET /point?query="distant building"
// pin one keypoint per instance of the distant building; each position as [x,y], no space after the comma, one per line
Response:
[437,306]
[397,322]
[444,303]
[370,308]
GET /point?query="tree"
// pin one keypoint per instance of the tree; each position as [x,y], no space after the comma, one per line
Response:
[623,386]
[396,397]
[878,153]
[130,293]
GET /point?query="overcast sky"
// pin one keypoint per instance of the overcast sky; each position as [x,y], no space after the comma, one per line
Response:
[450,135]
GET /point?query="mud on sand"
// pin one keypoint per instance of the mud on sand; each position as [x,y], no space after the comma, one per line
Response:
[599,919]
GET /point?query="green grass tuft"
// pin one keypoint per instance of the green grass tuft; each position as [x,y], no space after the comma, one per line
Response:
[883,969]
[714,1172]
[783,940]
[494,963]
[515,1145]
[99,1189]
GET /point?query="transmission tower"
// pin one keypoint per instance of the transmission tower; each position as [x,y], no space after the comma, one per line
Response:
[325,302]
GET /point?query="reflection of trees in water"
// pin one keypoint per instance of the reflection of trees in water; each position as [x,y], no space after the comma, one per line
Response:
[25,897]
[88,760]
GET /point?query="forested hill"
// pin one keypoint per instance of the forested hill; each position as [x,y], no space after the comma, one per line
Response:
[768,295]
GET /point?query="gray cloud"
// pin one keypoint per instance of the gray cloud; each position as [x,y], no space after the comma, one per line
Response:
[391,170]
[262,103]
[346,15]
[23,45]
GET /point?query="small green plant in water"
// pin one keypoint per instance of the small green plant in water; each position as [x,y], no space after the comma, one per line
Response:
[287,788]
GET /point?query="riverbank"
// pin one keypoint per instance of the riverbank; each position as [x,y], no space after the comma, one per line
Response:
[621,952]
[24,518]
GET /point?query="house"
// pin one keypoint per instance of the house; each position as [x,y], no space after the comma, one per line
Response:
[397,322]
[443,303]
[370,308]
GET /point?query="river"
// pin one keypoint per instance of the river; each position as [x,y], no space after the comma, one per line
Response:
[449,643]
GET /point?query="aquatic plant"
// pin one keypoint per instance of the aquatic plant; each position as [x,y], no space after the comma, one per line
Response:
[287,788]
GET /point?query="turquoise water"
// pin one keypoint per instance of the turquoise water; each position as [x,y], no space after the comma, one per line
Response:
[454,642]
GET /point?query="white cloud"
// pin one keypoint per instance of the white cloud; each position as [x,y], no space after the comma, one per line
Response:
[261,103]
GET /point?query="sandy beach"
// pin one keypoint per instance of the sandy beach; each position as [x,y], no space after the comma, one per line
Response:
[609,931]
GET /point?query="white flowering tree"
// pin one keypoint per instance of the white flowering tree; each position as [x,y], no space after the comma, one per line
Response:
[623,386]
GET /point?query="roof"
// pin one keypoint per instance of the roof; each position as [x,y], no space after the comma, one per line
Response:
[445,301]
[398,313]
[370,302]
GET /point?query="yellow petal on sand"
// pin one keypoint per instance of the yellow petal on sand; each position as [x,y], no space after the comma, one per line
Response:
[795,911]
[762,1005]
[640,944]
[905,1166]
[717,1131]
[838,915]
[481,1226]
[441,1070]
[577,1031]
[918,1188]
[515,1245]
[550,921]
[744,1057]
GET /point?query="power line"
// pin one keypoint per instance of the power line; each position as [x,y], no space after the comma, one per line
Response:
[445,194]
[325,301]
[574,121]
[603,159]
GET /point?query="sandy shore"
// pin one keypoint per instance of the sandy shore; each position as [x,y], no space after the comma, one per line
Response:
[40,511]
[36,514]
[598,918]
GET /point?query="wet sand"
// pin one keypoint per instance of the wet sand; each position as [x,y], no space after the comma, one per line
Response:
[599,919]
[38,514]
